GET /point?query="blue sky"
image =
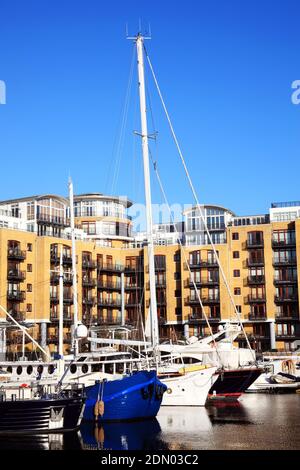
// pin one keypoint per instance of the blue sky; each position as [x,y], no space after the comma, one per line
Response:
[225,69]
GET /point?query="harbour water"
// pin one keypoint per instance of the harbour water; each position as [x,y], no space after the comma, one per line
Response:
[255,422]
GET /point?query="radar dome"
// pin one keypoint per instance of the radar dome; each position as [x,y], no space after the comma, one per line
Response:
[81,331]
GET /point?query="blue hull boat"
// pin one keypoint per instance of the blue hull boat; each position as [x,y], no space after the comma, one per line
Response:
[137,396]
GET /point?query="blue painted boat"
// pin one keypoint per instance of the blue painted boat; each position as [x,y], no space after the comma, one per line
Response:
[137,396]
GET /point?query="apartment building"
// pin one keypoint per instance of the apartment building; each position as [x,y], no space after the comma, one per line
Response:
[259,256]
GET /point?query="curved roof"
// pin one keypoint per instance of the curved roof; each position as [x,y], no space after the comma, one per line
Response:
[209,206]
[96,196]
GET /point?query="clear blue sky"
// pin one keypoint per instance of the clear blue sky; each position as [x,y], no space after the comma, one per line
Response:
[225,69]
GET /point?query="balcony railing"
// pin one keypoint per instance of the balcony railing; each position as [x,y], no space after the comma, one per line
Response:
[257,316]
[288,280]
[255,298]
[191,300]
[200,318]
[106,285]
[86,282]
[286,298]
[109,303]
[133,286]
[139,268]
[196,264]
[17,315]
[287,316]
[109,320]
[16,295]
[284,262]
[67,318]
[91,301]
[158,285]
[252,262]
[67,279]
[88,263]
[283,243]
[255,280]
[16,254]
[53,220]
[250,244]
[201,282]
[55,258]
[110,267]
[16,275]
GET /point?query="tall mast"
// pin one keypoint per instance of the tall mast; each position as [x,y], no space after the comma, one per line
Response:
[149,224]
[74,273]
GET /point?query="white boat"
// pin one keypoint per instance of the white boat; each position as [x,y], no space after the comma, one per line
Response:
[281,373]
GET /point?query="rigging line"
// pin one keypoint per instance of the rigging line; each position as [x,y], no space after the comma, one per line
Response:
[198,206]
[120,142]
[183,251]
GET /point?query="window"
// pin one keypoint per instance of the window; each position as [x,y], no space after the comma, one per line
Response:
[239,308]
[177,293]
[236,273]
[177,257]
[177,276]
[29,268]
[178,311]
[29,308]
[29,287]
[236,254]
[29,246]
[235,236]
[237,291]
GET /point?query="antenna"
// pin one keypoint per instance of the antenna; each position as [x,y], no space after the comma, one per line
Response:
[147,34]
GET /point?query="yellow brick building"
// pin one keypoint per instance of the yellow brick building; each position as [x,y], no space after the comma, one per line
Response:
[259,258]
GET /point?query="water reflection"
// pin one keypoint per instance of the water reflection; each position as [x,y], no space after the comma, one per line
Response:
[62,441]
[122,436]
[228,412]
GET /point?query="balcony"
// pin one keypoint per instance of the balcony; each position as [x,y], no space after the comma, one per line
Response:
[106,285]
[255,280]
[282,298]
[114,303]
[110,267]
[283,243]
[284,262]
[193,300]
[252,244]
[134,269]
[87,282]
[47,219]
[133,287]
[287,316]
[109,321]
[257,316]
[255,298]
[90,301]
[198,264]
[89,319]
[87,263]
[158,285]
[253,262]
[17,315]
[55,258]
[16,254]
[288,280]
[16,296]
[201,282]
[16,275]
[135,303]
[194,319]
[67,279]
[286,336]
[67,318]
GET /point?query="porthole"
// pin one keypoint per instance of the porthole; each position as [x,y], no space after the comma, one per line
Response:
[29,370]
[9,369]
[73,368]
[50,369]
[19,370]
[84,368]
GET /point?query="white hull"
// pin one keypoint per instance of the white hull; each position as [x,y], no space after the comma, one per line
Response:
[190,389]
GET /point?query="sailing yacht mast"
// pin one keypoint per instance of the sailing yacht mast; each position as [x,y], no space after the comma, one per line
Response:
[149,224]
[74,273]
